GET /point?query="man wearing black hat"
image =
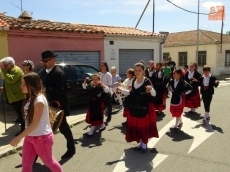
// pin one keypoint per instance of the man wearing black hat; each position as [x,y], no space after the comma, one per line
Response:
[55,84]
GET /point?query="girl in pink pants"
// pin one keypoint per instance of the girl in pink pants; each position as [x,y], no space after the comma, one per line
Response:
[38,133]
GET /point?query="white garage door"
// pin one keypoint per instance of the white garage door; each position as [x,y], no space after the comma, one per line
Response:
[128,57]
[91,58]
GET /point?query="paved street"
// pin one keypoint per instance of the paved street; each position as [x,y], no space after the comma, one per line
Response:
[195,148]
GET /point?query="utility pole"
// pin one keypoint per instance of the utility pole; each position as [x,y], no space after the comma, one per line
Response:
[21,6]
[153,15]
[197,36]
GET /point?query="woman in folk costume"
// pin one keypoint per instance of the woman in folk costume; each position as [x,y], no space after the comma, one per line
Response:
[95,112]
[193,99]
[141,122]
[127,85]
[158,84]
[207,83]
[150,70]
[179,89]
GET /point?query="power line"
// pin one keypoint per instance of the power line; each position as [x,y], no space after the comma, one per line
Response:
[189,10]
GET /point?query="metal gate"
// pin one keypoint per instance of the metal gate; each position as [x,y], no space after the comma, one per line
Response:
[128,57]
[91,58]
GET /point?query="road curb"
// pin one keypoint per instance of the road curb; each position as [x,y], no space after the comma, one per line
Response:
[9,150]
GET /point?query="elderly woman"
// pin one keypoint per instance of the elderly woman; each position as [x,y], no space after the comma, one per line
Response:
[12,87]
[27,66]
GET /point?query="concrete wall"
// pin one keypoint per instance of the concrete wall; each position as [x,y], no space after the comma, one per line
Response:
[130,43]
[30,44]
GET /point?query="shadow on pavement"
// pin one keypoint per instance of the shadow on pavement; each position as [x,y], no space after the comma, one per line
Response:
[193,116]
[90,142]
[134,161]
[178,135]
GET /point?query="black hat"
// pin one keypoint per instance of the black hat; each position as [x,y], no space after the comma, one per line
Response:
[48,54]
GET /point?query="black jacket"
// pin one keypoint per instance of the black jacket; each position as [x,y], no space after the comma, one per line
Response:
[56,87]
[177,92]
[210,88]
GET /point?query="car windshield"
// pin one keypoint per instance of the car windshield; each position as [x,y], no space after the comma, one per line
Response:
[84,71]
[88,69]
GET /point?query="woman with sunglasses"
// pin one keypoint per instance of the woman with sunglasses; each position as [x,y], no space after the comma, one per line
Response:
[27,66]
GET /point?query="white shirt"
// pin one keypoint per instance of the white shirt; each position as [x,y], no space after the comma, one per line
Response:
[43,127]
[106,79]
[49,70]
[190,74]
[175,83]
[127,83]
[206,80]
[127,92]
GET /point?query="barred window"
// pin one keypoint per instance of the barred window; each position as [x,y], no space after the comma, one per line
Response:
[227,58]
[202,58]
[182,58]
[165,56]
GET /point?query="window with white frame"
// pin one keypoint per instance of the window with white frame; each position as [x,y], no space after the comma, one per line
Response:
[202,58]
[227,58]
[183,57]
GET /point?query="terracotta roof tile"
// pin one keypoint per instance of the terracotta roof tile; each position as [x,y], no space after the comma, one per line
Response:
[190,38]
[51,26]
[3,23]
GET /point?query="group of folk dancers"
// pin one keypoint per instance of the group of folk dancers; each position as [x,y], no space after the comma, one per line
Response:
[145,92]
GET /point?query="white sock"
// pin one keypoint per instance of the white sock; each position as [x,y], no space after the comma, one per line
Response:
[91,130]
[102,126]
[144,146]
[206,115]
[193,109]
[177,121]
[140,144]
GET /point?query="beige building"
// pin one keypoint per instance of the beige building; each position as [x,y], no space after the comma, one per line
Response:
[182,47]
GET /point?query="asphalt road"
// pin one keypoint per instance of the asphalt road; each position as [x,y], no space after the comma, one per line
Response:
[195,148]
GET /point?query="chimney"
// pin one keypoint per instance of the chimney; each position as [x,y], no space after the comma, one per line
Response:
[164,33]
[25,17]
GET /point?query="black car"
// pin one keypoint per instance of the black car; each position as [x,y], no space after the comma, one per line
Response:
[76,74]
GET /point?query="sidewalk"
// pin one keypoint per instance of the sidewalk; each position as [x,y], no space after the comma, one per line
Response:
[13,128]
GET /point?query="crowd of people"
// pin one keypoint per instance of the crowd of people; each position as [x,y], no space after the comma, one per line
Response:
[141,96]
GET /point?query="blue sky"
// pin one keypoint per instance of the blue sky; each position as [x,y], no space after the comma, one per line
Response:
[122,13]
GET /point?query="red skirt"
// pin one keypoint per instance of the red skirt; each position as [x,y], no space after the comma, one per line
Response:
[193,101]
[142,128]
[95,114]
[162,106]
[126,112]
[177,109]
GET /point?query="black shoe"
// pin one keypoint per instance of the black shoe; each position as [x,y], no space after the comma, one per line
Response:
[17,120]
[143,150]
[108,119]
[68,154]
[180,125]
[136,148]
[203,121]
[18,133]
[124,123]
[87,135]
[102,129]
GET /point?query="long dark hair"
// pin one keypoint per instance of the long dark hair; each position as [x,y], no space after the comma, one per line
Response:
[106,65]
[34,87]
